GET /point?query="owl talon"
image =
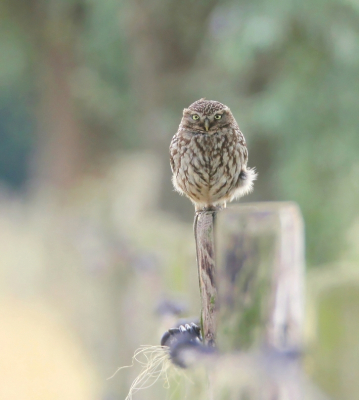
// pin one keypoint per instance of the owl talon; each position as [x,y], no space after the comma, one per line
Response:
[210,209]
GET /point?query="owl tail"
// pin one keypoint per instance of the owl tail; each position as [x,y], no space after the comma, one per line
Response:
[246,181]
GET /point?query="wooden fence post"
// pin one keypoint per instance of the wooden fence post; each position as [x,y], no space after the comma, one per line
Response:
[204,236]
[252,292]
[260,271]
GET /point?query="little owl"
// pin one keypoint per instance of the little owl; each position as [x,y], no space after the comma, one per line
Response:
[209,156]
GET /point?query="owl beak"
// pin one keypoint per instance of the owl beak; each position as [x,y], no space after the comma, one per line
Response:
[206,124]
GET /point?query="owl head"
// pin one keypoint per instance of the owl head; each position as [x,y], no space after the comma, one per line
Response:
[206,116]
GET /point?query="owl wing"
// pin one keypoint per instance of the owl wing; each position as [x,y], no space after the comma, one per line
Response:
[240,135]
[173,153]
[172,162]
[242,146]
[247,175]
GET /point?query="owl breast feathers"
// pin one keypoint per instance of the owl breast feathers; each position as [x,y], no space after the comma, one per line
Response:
[209,156]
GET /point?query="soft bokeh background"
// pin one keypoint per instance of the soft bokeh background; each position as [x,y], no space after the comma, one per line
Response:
[92,238]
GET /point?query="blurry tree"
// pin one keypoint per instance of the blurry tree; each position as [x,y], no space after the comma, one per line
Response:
[48,29]
[16,118]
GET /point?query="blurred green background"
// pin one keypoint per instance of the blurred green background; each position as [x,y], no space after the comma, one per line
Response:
[92,237]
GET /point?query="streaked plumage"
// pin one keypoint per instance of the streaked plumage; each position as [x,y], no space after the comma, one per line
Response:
[209,156]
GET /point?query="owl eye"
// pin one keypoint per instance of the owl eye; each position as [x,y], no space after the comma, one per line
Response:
[218,116]
[195,116]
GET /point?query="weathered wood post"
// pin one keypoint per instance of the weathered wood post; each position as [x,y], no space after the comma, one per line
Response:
[260,276]
[252,292]
[204,236]
[258,273]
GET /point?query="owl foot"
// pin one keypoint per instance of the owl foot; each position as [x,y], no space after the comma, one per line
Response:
[210,208]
